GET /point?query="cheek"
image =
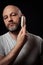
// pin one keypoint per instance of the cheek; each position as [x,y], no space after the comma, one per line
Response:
[16,19]
[5,22]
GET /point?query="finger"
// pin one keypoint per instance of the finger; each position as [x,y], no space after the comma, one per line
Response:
[24,28]
[21,31]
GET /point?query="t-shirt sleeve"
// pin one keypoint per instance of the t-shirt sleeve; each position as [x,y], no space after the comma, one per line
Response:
[1,50]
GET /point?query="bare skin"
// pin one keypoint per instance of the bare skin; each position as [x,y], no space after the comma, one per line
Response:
[11,16]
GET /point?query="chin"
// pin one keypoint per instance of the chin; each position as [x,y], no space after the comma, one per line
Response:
[14,28]
[17,29]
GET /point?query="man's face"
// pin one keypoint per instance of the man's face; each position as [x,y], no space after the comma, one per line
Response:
[11,18]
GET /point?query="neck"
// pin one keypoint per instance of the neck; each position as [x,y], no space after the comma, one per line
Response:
[14,35]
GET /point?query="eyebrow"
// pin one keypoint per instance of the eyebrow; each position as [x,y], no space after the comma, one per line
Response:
[14,13]
[11,13]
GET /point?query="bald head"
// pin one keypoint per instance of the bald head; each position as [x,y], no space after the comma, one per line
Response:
[10,8]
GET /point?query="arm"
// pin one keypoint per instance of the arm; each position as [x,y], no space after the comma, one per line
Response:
[15,51]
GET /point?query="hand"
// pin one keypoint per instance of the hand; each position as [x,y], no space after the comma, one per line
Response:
[21,39]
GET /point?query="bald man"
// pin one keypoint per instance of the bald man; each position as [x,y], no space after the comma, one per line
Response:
[17,46]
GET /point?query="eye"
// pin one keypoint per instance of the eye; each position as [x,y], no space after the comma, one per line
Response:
[13,14]
[5,17]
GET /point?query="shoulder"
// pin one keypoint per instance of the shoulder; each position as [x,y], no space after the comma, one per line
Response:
[3,37]
[35,37]
[37,40]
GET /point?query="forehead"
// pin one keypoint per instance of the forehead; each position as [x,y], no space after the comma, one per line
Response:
[8,9]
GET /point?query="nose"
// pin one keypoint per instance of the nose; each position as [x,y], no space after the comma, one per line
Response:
[9,19]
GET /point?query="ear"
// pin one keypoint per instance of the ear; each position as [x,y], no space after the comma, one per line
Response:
[20,13]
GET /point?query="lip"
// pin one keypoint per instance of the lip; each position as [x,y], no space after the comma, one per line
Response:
[11,24]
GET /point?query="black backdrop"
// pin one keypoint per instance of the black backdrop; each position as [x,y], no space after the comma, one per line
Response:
[31,9]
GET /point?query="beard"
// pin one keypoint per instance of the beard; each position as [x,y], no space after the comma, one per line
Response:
[14,28]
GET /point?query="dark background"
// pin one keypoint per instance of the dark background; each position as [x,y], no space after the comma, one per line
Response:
[33,12]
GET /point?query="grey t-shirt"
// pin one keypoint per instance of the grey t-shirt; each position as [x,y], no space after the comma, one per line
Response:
[28,53]
[6,44]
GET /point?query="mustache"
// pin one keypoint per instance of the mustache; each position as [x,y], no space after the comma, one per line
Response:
[12,22]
